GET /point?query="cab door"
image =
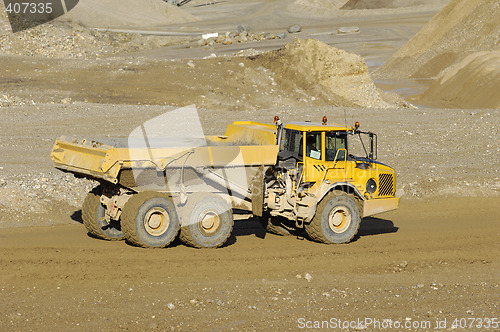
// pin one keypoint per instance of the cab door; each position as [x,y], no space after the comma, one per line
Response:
[325,157]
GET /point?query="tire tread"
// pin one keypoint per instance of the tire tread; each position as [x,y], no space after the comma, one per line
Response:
[89,208]
[129,214]
[186,237]
[314,228]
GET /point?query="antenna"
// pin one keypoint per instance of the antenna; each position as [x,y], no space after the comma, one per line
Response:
[345,118]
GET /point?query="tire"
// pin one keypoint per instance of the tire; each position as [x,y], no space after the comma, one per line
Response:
[337,219]
[209,222]
[149,220]
[93,213]
[276,225]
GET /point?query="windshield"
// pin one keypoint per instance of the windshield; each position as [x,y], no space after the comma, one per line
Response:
[363,145]
[333,142]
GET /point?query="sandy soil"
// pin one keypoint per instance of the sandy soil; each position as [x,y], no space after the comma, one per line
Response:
[435,258]
[423,262]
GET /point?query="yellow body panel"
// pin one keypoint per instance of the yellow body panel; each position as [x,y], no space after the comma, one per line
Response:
[105,161]
[315,126]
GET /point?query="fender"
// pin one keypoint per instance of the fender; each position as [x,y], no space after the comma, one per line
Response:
[341,184]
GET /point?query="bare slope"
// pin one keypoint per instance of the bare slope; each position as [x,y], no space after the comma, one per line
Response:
[126,14]
[69,40]
[472,83]
[376,4]
[315,7]
[461,28]
[361,7]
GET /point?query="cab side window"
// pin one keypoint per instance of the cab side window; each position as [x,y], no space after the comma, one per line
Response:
[292,142]
[313,145]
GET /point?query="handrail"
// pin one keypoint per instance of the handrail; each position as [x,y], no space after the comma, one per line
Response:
[333,166]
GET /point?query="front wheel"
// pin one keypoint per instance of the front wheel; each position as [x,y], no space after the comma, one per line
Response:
[149,219]
[337,219]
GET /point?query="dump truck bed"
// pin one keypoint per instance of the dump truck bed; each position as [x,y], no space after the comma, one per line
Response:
[104,159]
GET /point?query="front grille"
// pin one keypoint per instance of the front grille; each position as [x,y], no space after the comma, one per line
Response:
[386,184]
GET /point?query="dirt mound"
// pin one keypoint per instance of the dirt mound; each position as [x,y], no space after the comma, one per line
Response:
[376,4]
[333,75]
[126,14]
[472,83]
[461,28]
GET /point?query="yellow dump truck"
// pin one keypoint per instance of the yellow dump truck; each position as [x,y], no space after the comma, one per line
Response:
[294,177]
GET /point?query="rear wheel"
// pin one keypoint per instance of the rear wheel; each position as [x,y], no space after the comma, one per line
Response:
[94,218]
[337,219]
[208,222]
[149,219]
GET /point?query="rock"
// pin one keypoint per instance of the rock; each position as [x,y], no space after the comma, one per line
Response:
[294,28]
[248,52]
[243,28]
[242,38]
[227,41]
[191,64]
[269,36]
[211,56]
[308,277]
[352,29]
[210,35]
[170,306]
[281,35]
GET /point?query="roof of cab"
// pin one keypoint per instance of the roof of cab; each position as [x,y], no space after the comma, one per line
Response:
[316,126]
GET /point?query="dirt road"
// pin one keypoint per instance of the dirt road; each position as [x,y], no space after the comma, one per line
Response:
[426,261]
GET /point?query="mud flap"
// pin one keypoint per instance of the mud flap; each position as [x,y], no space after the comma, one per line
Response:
[257,192]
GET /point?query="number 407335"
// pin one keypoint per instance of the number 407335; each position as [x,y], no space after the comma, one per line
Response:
[29,8]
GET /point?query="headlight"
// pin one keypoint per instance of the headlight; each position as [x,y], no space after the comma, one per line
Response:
[371,186]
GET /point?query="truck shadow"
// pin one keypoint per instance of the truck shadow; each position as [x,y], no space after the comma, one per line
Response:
[369,226]
[77,216]
[251,226]
[376,226]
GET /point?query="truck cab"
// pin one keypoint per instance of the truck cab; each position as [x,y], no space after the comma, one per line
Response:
[316,164]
